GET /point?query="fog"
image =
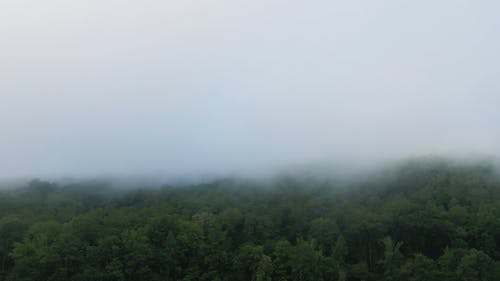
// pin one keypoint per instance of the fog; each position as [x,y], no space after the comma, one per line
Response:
[219,87]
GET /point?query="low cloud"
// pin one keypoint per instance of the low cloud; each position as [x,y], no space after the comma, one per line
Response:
[220,87]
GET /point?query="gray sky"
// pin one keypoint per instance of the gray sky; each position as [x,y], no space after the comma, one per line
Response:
[103,86]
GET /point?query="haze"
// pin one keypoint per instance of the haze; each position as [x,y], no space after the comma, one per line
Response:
[94,87]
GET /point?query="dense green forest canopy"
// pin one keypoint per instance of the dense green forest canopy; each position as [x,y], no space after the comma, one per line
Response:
[422,220]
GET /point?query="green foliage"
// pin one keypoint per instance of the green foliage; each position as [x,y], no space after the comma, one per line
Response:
[426,221]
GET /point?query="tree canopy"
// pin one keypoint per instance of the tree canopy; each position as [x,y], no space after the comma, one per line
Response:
[425,220]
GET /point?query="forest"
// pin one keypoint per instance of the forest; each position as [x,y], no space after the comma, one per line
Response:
[421,220]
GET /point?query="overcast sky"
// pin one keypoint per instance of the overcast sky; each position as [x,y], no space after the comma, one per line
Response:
[102,86]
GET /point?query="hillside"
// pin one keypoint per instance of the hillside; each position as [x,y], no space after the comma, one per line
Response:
[426,219]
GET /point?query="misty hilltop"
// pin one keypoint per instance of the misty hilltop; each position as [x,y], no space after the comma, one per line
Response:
[425,219]
[249,140]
